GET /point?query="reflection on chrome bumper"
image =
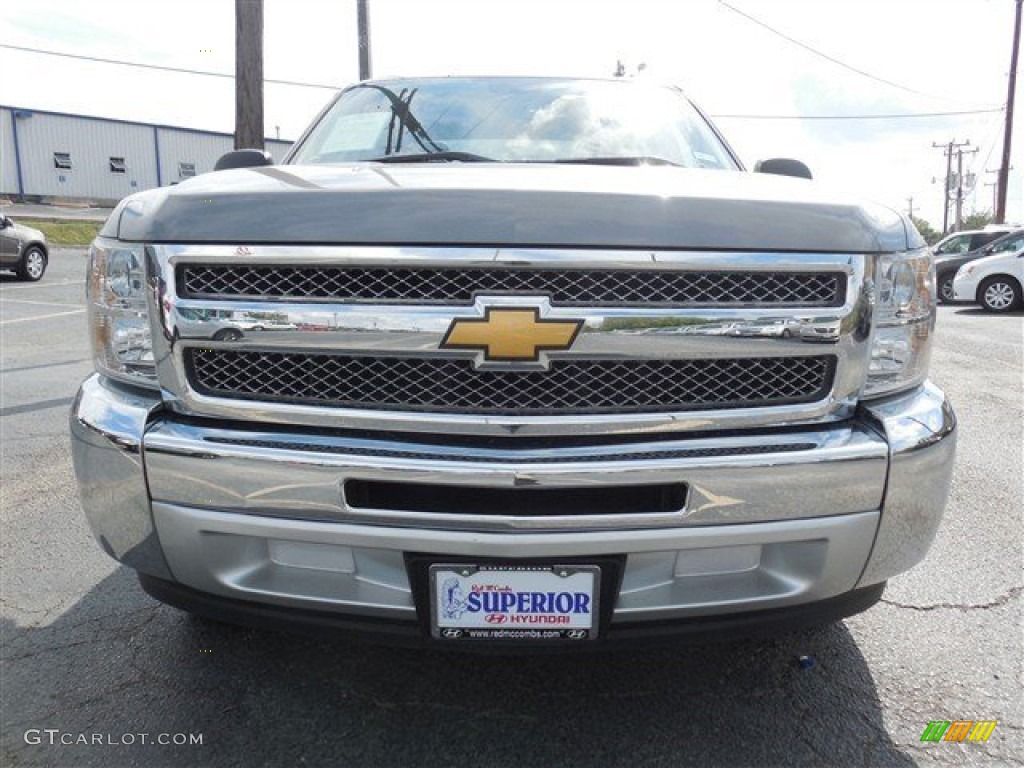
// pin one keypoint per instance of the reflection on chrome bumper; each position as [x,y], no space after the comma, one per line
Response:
[920,429]
[107,425]
[262,516]
[730,480]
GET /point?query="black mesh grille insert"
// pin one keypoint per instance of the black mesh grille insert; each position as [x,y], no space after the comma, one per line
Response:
[453,385]
[566,287]
[529,502]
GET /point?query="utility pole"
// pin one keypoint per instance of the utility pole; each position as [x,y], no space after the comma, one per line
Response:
[910,207]
[621,70]
[960,152]
[248,74]
[363,13]
[995,191]
[949,149]
[1004,168]
[995,188]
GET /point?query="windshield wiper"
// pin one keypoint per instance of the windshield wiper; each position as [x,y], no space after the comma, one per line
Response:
[434,157]
[402,112]
[637,160]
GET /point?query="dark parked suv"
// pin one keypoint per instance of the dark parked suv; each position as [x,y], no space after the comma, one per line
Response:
[968,240]
[949,260]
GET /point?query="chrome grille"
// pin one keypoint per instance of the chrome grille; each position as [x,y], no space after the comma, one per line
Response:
[454,386]
[566,287]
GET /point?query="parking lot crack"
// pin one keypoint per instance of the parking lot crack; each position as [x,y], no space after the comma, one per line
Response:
[44,650]
[1000,601]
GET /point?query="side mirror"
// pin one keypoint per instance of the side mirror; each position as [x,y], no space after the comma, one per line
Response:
[243,158]
[783,166]
[4,222]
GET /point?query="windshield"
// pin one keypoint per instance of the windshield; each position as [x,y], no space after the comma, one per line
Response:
[954,245]
[514,120]
[1010,243]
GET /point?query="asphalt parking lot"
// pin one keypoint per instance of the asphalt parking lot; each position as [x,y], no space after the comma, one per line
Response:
[84,651]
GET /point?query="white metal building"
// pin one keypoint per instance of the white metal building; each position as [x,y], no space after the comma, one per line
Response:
[52,155]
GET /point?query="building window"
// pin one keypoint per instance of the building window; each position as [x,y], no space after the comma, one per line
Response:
[186,170]
[62,161]
[117,165]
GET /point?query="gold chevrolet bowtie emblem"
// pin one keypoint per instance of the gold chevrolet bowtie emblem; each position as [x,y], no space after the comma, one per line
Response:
[511,335]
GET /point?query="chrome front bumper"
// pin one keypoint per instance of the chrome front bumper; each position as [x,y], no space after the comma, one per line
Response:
[255,514]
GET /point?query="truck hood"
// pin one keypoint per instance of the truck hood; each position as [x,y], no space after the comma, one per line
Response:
[493,204]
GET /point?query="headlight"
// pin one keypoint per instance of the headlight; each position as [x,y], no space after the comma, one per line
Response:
[904,319]
[122,344]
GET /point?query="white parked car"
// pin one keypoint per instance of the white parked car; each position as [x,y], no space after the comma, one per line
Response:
[994,281]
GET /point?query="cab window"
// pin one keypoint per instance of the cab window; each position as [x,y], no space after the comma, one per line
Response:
[959,244]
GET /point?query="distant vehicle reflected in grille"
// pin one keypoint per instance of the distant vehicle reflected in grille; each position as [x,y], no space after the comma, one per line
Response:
[454,386]
[566,287]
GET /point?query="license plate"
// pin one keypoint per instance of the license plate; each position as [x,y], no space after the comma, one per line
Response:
[514,602]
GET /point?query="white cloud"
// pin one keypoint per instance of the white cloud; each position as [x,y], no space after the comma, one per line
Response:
[956,51]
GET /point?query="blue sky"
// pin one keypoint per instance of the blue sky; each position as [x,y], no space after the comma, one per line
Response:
[940,56]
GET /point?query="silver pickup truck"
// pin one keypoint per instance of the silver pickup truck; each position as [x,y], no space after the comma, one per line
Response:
[512,362]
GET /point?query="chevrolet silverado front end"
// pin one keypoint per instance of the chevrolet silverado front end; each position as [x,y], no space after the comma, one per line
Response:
[491,398]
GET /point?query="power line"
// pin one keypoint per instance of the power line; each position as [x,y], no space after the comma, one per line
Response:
[991,143]
[159,67]
[205,73]
[825,56]
[894,116]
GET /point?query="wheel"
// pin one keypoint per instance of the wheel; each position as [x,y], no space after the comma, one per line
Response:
[946,287]
[227,334]
[999,293]
[33,264]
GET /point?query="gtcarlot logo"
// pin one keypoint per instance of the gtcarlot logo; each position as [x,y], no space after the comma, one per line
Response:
[55,737]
